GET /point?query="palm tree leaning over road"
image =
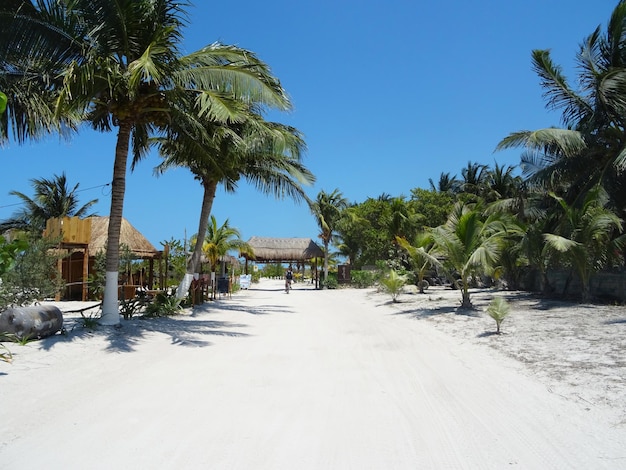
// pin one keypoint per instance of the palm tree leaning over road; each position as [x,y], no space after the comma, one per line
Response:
[119,64]
[52,198]
[267,155]
[327,209]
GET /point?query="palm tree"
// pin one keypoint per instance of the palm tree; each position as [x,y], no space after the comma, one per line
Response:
[35,52]
[3,102]
[218,241]
[446,183]
[401,220]
[52,198]
[420,254]
[474,176]
[119,64]
[327,209]
[266,154]
[469,244]
[590,148]
[501,184]
[585,233]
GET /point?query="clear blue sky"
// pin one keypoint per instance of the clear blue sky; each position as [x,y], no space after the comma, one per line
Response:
[387,93]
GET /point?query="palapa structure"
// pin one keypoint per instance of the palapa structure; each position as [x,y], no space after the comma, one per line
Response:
[284,250]
[83,239]
[139,246]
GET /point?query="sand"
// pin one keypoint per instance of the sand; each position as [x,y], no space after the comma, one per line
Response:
[336,379]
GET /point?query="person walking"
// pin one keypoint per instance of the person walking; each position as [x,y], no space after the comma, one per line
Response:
[288,279]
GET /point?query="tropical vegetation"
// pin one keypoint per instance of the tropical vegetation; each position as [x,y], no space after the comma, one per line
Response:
[120,65]
[560,210]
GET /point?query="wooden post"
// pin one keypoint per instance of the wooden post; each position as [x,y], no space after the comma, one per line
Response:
[151,273]
[85,273]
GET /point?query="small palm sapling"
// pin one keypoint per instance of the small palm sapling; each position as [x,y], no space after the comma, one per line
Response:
[498,309]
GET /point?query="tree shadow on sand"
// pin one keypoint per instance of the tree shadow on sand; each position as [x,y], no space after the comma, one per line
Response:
[421,313]
[239,307]
[183,330]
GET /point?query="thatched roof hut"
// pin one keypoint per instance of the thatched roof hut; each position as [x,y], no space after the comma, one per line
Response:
[129,236]
[283,249]
[82,239]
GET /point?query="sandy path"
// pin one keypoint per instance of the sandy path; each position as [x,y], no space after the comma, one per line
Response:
[266,380]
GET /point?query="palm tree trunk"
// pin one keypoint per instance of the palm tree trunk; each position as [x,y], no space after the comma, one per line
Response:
[110,307]
[193,265]
[325,263]
[465,294]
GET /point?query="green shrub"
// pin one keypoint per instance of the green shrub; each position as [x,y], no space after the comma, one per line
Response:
[163,305]
[128,308]
[90,322]
[31,273]
[331,282]
[362,279]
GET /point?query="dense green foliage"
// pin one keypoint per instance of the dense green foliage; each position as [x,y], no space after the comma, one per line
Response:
[31,275]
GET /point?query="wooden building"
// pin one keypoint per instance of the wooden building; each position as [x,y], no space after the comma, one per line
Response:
[82,239]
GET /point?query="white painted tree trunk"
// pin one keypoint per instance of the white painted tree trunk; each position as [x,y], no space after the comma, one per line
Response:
[185,284]
[110,310]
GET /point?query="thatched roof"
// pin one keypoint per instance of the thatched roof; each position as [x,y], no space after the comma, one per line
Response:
[284,249]
[129,236]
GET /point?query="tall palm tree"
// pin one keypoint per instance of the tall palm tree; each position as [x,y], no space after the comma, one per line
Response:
[52,198]
[327,209]
[119,64]
[446,183]
[590,148]
[474,178]
[501,183]
[469,244]
[266,154]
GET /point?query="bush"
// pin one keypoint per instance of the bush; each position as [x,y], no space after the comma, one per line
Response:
[363,279]
[163,305]
[331,282]
[31,276]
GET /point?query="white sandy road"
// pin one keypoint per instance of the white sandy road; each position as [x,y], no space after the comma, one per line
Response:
[266,380]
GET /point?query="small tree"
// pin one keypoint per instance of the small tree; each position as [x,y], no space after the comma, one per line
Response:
[498,309]
[469,244]
[393,284]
